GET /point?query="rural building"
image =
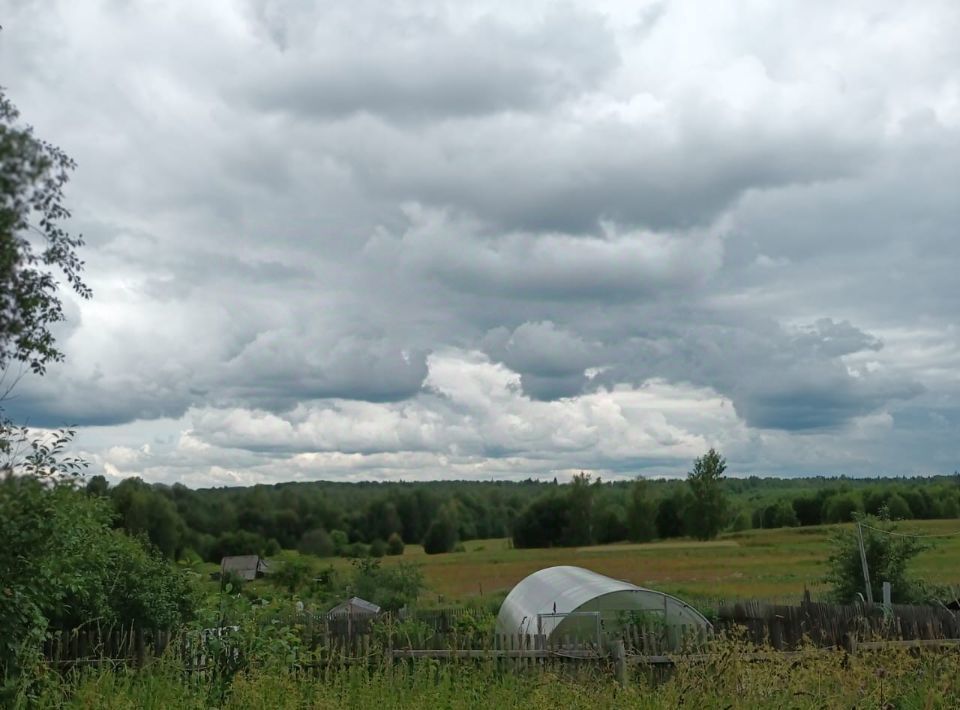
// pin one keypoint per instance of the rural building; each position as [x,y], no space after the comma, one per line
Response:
[247,567]
[354,606]
[572,601]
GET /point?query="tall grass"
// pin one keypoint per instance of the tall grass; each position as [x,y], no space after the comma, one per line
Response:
[889,678]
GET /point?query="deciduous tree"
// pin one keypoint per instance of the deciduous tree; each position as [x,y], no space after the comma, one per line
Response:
[706,511]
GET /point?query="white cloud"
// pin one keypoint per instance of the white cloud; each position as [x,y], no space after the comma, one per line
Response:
[484,239]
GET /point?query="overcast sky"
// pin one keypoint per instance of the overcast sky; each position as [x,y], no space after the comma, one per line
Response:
[481,240]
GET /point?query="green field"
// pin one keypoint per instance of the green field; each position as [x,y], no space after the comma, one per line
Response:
[771,564]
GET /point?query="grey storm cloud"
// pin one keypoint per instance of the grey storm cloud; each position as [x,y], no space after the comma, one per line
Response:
[400,63]
[385,239]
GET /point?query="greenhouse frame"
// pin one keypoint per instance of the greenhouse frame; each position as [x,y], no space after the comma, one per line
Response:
[578,603]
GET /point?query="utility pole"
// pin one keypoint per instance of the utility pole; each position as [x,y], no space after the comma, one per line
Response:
[863,562]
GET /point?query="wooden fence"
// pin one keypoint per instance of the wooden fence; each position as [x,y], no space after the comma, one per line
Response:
[325,641]
[788,627]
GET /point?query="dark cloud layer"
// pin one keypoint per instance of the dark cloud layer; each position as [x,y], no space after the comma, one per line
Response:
[500,239]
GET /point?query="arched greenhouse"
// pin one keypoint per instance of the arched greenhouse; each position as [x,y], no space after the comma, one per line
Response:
[575,602]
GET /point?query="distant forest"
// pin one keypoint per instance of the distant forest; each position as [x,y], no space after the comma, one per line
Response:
[360,519]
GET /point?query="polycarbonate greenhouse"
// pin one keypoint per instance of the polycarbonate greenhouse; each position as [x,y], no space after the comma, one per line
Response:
[575,602]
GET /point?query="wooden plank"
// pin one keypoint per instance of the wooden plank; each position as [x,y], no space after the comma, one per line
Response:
[513,653]
[706,657]
[908,643]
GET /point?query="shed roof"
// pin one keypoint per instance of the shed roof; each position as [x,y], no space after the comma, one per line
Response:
[355,605]
[246,566]
[565,589]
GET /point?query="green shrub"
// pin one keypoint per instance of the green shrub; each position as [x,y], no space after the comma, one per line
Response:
[441,535]
[394,544]
[63,565]
[317,542]
[887,559]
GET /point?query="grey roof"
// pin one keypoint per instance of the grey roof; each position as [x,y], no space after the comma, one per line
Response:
[564,589]
[245,566]
[355,605]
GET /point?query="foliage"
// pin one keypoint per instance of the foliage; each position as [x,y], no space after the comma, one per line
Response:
[841,508]
[442,535]
[706,511]
[641,513]
[824,680]
[62,565]
[378,548]
[258,519]
[293,574]
[778,515]
[390,588]
[33,244]
[340,541]
[542,523]
[317,542]
[143,509]
[888,556]
[670,514]
[394,544]
[564,520]
[610,523]
[580,496]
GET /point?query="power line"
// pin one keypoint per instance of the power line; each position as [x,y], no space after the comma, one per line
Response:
[897,534]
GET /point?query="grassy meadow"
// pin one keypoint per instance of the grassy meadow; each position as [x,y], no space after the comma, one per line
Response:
[770,564]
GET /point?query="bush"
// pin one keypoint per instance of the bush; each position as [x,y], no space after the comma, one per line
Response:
[898,508]
[63,565]
[441,535]
[356,550]
[542,523]
[394,544]
[670,515]
[741,521]
[780,515]
[887,559]
[809,510]
[841,508]
[390,587]
[340,541]
[378,548]
[318,543]
[292,575]
[610,524]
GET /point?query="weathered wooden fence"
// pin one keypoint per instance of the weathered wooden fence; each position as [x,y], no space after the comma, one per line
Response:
[326,641]
[130,645]
[788,627]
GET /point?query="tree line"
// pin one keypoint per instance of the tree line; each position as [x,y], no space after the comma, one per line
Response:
[373,519]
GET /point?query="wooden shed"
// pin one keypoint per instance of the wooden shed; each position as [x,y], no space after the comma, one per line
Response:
[354,606]
[246,567]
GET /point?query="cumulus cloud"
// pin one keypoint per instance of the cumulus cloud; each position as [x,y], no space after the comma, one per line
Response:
[501,239]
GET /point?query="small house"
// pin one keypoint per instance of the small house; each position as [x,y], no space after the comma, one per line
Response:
[246,567]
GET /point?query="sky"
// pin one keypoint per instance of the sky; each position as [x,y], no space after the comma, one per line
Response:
[482,240]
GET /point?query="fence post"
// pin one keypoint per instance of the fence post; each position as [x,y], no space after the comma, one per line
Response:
[141,647]
[620,662]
